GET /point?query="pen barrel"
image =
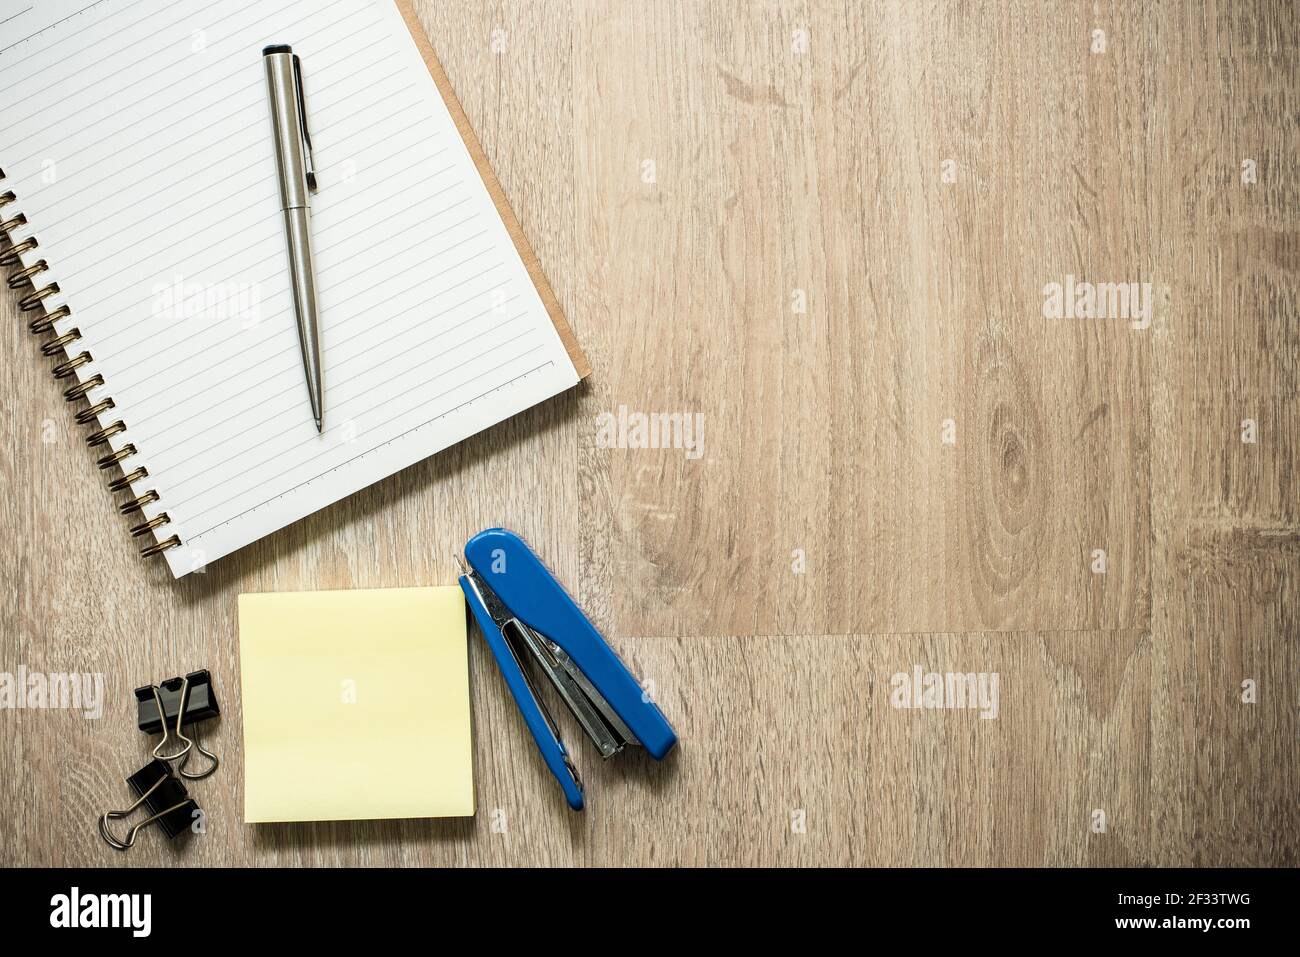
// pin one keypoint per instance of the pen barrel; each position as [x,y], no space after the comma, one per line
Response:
[297,233]
[286,129]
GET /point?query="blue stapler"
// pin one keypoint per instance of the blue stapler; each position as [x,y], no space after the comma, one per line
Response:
[526,615]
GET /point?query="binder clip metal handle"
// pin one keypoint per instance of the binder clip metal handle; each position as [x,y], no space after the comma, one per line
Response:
[122,844]
[183,752]
[207,708]
[162,795]
[213,763]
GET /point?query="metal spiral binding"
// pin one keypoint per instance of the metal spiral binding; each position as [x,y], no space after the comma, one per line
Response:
[34,302]
[45,322]
[14,254]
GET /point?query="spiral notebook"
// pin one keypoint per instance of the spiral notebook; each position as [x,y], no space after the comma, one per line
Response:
[139,198]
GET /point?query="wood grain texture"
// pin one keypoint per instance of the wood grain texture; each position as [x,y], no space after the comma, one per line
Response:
[777,171]
[499,200]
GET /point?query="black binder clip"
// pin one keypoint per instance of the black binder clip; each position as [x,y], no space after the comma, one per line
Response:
[175,703]
[165,798]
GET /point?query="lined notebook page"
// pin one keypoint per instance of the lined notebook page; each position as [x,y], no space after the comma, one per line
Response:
[136,138]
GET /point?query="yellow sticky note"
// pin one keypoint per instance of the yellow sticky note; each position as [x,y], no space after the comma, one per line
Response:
[356,705]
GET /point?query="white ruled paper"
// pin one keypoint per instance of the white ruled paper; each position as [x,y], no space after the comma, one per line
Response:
[136,139]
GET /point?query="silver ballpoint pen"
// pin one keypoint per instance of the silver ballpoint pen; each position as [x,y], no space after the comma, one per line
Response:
[293,161]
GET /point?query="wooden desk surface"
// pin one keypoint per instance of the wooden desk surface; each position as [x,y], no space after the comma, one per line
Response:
[837,255]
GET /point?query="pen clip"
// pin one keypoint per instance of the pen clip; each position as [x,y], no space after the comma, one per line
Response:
[302,117]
